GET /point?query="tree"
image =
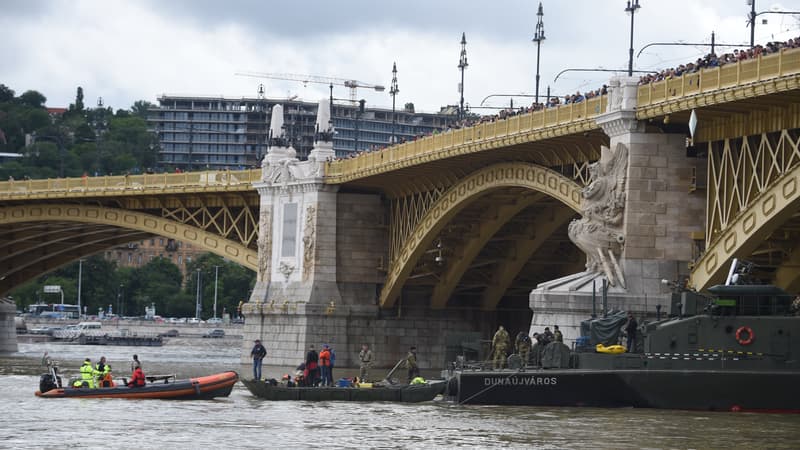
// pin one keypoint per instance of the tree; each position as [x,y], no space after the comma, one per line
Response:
[140,108]
[157,282]
[34,99]
[6,93]
[79,99]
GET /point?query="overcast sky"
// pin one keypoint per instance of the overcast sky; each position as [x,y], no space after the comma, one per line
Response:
[131,50]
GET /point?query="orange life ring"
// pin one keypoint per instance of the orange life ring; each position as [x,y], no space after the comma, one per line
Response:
[750,335]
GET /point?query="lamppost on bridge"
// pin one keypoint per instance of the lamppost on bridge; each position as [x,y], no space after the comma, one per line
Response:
[61,149]
[538,37]
[216,280]
[393,91]
[462,64]
[197,300]
[752,19]
[80,279]
[632,8]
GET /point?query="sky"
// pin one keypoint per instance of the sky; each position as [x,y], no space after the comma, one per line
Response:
[124,51]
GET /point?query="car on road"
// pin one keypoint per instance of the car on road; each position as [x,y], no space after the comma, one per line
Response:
[169,333]
[215,333]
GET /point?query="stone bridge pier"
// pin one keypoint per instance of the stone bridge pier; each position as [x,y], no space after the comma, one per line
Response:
[318,279]
[638,213]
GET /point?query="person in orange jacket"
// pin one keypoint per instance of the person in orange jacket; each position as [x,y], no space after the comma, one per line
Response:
[325,365]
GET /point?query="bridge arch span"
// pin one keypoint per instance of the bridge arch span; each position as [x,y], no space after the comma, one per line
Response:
[771,209]
[138,222]
[481,182]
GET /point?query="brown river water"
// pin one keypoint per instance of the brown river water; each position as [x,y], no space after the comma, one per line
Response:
[242,421]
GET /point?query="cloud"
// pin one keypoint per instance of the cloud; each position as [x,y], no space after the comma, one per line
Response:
[127,51]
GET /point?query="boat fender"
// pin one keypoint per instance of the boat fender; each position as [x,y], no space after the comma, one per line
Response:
[745,335]
[196,386]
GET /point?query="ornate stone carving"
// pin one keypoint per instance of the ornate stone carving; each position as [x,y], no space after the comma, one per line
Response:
[286,269]
[599,232]
[309,235]
[264,244]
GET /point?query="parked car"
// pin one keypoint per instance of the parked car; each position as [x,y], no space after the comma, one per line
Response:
[215,333]
[214,320]
[169,333]
[193,320]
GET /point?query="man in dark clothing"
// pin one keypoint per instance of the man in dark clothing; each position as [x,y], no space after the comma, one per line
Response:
[312,366]
[258,353]
[411,364]
[631,328]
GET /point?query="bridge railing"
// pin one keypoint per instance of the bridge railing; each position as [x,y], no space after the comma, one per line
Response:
[117,184]
[783,62]
[481,132]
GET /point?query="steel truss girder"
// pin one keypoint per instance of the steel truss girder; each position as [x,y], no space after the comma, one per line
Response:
[469,250]
[519,253]
[132,220]
[762,206]
[740,170]
[459,196]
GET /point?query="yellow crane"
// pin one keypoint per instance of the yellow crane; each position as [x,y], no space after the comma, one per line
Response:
[353,85]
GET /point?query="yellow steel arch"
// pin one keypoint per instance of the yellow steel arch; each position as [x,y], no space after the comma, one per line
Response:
[133,220]
[751,226]
[525,175]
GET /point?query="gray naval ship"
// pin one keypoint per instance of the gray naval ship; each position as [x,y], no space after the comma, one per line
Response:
[736,350]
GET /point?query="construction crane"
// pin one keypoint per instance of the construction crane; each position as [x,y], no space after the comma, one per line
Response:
[305,79]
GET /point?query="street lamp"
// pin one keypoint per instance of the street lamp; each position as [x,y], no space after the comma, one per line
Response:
[462,64]
[359,113]
[80,279]
[632,7]
[393,91]
[216,280]
[538,37]
[120,294]
[752,17]
[197,303]
[61,150]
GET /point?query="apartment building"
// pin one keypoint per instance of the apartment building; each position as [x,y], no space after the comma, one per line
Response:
[197,132]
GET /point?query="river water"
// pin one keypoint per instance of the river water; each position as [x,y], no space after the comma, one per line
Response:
[241,421]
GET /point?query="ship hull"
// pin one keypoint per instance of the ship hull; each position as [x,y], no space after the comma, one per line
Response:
[708,390]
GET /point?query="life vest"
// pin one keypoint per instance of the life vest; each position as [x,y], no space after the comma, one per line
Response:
[418,380]
[325,358]
[103,372]
[87,374]
[137,379]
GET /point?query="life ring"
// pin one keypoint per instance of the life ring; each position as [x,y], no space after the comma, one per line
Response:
[741,339]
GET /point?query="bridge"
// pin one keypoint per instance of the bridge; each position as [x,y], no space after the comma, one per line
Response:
[436,240]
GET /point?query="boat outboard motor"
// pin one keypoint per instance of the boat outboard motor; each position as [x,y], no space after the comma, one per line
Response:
[47,382]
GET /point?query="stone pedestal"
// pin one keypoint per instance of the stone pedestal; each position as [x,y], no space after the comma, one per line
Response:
[8,330]
[660,213]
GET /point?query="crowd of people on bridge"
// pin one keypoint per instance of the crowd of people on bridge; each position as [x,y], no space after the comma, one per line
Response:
[711,60]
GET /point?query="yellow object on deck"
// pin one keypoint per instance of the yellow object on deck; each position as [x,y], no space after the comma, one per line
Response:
[365,385]
[613,349]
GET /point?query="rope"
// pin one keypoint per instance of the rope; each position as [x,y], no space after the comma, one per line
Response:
[518,371]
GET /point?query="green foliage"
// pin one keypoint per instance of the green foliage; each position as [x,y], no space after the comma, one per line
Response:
[129,290]
[6,93]
[34,99]
[95,140]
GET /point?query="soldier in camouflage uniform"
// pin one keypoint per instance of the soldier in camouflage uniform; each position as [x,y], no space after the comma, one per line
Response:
[500,343]
[523,346]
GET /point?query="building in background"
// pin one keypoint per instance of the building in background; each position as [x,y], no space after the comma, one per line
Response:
[197,132]
[137,254]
